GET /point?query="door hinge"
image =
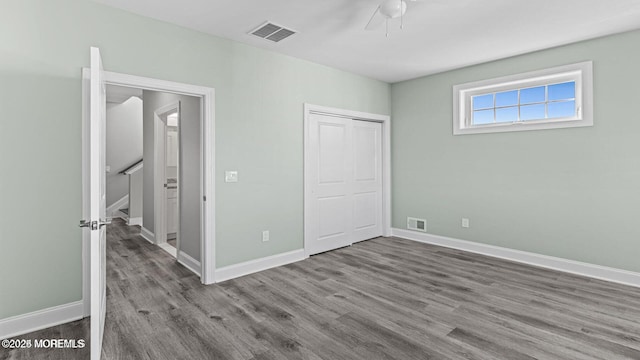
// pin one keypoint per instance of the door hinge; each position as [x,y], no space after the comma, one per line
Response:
[204,198]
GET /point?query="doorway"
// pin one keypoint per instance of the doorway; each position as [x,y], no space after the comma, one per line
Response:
[346,178]
[203,193]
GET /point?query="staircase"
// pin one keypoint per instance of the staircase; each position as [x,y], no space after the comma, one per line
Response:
[123,213]
[129,208]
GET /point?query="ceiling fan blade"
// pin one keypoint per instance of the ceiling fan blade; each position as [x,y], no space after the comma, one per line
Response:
[377,19]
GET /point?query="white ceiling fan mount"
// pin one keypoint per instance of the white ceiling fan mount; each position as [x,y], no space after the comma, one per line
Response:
[393,8]
[387,10]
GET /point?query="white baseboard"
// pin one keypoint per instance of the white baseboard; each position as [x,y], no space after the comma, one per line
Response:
[170,249]
[189,262]
[41,319]
[113,208]
[570,266]
[147,235]
[134,221]
[252,266]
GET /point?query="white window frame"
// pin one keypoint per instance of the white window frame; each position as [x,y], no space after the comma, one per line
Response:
[581,73]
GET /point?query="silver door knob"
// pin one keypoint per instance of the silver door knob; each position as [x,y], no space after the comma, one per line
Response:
[86,223]
[95,225]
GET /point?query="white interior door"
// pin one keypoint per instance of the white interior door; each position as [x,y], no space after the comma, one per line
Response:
[97,202]
[343,182]
[172,210]
[172,152]
[171,158]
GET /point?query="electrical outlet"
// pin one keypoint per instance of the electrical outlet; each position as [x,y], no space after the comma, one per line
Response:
[265,235]
[465,222]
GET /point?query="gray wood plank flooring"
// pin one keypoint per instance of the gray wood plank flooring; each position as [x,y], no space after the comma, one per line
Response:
[385,298]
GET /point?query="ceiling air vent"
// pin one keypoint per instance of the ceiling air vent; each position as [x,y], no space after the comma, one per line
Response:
[272,32]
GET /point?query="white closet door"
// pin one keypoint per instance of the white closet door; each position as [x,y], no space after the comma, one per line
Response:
[331,163]
[344,182]
[367,180]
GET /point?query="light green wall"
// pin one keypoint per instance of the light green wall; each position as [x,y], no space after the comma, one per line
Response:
[259,104]
[570,193]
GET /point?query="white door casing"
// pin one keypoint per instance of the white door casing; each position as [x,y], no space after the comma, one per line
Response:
[97,201]
[347,190]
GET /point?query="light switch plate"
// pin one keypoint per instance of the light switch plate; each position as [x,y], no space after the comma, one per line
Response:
[230,176]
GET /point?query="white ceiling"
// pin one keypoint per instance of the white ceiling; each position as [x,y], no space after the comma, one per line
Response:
[438,35]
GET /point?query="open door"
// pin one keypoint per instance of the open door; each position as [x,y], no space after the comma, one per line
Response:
[97,202]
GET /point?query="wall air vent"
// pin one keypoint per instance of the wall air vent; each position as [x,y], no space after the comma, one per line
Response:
[272,32]
[417,224]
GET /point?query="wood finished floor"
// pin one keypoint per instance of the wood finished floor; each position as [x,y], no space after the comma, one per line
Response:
[385,298]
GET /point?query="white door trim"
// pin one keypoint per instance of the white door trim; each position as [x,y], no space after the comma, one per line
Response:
[386,160]
[159,176]
[207,165]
